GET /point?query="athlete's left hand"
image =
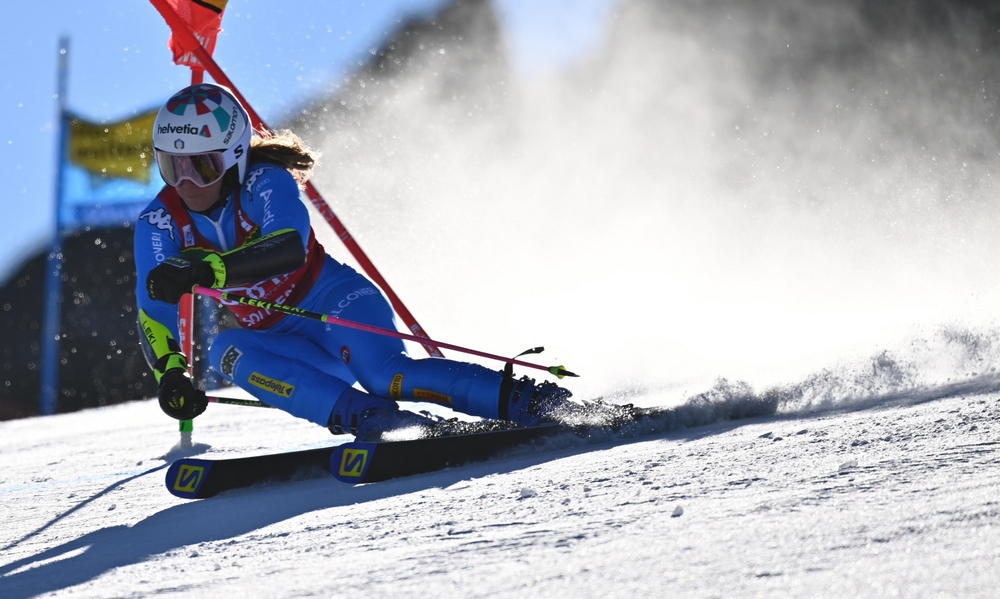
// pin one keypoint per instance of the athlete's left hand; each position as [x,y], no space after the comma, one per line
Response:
[178,397]
[175,276]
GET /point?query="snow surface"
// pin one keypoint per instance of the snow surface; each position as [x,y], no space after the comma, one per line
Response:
[883,496]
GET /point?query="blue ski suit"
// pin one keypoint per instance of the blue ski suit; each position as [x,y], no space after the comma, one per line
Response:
[298,365]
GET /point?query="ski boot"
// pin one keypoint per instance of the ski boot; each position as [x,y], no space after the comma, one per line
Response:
[528,403]
[370,418]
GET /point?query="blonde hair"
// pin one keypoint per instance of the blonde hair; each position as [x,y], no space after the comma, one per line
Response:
[285,149]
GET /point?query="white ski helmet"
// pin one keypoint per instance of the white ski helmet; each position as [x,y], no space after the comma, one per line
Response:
[204,119]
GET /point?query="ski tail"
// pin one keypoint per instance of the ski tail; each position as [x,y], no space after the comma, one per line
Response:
[193,478]
[186,477]
[349,462]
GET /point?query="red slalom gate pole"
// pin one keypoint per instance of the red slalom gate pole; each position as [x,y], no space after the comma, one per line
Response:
[185,324]
[180,28]
[218,294]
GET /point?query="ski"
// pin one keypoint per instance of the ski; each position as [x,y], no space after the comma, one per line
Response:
[367,462]
[360,462]
[195,478]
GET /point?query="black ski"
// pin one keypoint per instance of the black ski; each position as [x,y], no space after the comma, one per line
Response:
[194,478]
[366,462]
[197,478]
[362,462]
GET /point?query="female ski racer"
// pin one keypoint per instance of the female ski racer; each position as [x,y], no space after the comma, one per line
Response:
[231,218]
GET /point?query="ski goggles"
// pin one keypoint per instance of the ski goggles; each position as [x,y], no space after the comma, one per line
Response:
[200,169]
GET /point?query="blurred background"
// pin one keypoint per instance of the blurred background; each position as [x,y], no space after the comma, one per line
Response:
[662,192]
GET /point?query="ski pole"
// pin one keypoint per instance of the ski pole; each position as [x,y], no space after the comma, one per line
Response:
[559,371]
[185,328]
[235,401]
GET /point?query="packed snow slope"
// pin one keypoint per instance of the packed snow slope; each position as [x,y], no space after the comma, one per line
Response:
[892,494]
[800,200]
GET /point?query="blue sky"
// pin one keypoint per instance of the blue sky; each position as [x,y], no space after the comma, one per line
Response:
[278,53]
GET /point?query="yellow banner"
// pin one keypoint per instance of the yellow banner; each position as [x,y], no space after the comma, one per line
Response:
[216,5]
[121,150]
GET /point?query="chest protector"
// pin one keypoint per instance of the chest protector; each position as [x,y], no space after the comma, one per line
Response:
[288,288]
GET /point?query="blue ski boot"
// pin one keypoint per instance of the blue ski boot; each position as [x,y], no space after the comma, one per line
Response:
[525,402]
[370,418]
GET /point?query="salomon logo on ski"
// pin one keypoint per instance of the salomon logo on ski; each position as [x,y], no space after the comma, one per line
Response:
[353,462]
[188,478]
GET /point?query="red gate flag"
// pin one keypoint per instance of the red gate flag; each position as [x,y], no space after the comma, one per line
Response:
[204,19]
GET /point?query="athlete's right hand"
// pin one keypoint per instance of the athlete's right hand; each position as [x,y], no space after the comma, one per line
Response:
[175,276]
[178,397]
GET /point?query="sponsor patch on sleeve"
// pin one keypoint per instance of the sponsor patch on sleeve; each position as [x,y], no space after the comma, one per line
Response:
[229,360]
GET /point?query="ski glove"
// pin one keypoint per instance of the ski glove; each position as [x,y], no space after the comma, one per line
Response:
[178,397]
[175,276]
